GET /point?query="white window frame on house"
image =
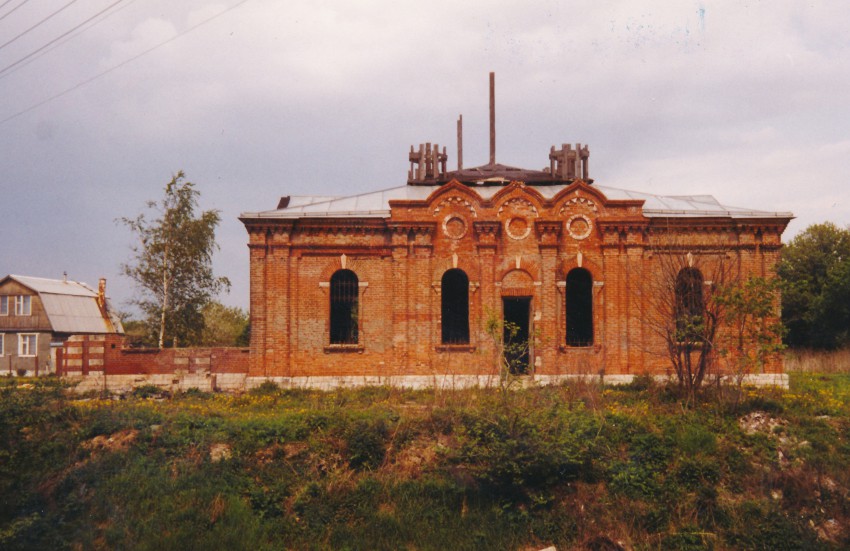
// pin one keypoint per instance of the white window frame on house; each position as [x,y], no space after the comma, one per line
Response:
[32,348]
[4,305]
[23,305]
[2,344]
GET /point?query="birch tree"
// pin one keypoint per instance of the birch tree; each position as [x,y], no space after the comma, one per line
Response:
[172,263]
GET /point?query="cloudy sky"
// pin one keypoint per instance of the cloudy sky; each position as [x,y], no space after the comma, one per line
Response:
[746,100]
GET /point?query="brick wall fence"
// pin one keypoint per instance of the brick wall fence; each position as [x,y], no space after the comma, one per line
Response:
[100,362]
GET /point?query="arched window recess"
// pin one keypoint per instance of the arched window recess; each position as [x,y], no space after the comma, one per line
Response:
[579,308]
[454,307]
[344,308]
[689,311]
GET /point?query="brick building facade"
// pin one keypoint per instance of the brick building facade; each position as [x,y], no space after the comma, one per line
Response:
[402,285]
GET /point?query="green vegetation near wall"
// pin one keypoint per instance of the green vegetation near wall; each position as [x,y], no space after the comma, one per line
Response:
[576,466]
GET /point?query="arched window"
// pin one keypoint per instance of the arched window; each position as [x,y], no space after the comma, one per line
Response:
[455,307]
[690,308]
[579,308]
[344,292]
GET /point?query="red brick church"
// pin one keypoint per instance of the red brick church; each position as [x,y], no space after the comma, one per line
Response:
[405,285]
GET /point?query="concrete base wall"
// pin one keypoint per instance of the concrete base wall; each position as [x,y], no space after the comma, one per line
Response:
[93,381]
[238,382]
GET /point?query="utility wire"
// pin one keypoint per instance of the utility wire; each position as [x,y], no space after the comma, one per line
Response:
[4,3]
[5,71]
[13,10]
[123,63]
[38,24]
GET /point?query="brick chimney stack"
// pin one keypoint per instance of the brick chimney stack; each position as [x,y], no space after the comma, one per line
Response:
[101,303]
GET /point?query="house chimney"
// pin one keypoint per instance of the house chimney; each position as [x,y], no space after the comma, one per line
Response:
[101,303]
[101,296]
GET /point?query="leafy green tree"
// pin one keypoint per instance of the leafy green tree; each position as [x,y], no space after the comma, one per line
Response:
[754,328]
[224,325]
[138,333]
[172,263]
[815,270]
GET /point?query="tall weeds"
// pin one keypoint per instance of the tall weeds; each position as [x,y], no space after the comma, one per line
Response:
[818,361]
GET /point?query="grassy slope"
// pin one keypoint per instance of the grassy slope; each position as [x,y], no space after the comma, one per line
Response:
[574,466]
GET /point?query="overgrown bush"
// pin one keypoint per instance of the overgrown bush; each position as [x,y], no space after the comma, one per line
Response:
[515,453]
[366,440]
[149,391]
[570,466]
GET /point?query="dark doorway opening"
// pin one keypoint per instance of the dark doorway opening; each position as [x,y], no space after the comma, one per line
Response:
[517,316]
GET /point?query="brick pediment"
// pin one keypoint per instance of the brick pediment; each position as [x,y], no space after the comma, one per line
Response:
[519,189]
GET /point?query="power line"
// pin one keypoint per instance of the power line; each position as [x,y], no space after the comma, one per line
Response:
[123,63]
[3,71]
[13,10]
[4,3]
[38,24]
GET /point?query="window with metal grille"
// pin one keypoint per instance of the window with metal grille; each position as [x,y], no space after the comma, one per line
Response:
[344,295]
[690,308]
[454,292]
[579,308]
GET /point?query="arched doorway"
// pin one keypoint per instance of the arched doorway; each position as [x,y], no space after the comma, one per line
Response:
[517,316]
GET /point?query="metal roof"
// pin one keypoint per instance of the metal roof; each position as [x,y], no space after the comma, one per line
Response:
[71,306]
[74,314]
[55,286]
[376,204]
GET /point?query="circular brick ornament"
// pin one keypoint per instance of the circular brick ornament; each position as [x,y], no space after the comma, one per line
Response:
[454,227]
[518,228]
[579,226]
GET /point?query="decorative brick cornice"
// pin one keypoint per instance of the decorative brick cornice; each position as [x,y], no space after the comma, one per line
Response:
[761,227]
[487,228]
[548,227]
[342,229]
[622,225]
[407,227]
[303,250]
[268,227]
[267,222]
[548,233]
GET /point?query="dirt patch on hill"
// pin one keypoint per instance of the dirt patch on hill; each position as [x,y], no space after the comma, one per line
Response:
[117,441]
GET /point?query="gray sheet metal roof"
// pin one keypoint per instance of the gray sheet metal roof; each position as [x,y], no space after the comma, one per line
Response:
[376,204]
[55,286]
[71,306]
[74,314]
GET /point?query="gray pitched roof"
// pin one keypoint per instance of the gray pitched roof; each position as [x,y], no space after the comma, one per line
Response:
[376,204]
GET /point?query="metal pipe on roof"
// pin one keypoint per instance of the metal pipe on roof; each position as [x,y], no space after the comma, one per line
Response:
[460,142]
[492,118]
